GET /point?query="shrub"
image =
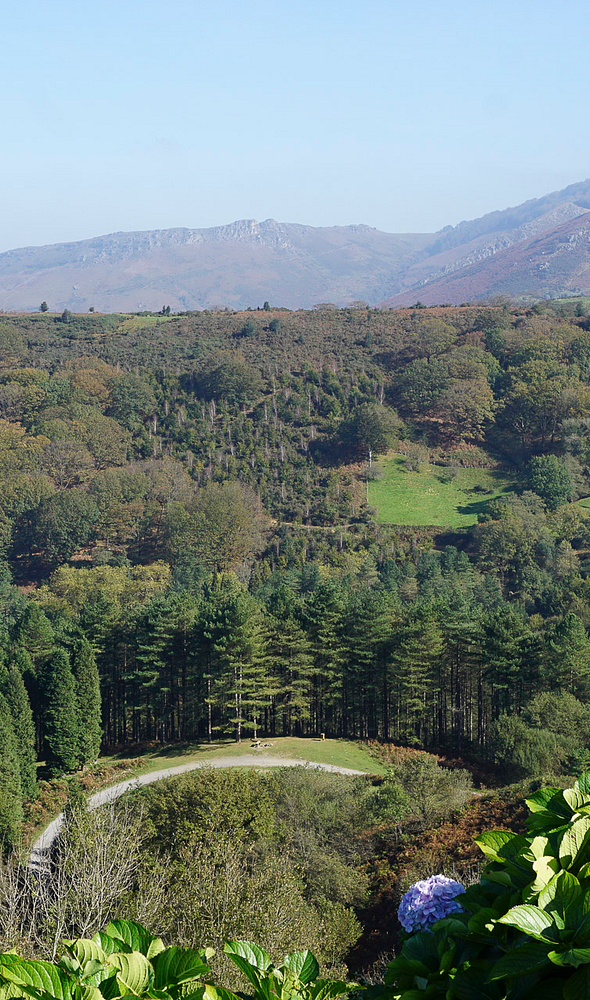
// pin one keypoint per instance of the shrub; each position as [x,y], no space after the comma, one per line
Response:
[433,792]
[523,931]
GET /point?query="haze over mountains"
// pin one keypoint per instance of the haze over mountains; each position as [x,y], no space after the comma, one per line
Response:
[539,249]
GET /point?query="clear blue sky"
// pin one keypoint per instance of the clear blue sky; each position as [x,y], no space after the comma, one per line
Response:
[407,116]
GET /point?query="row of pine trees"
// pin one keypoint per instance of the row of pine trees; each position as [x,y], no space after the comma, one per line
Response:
[434,665]
[357,662]
[52,714]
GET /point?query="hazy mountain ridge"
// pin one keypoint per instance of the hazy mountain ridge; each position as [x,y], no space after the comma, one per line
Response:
[247,262]
[555,262]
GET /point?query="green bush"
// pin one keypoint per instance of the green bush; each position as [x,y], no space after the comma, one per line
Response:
[524,930]
[433,792]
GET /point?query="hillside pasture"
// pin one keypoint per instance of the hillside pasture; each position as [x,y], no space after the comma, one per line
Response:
[431,497]
[339,753]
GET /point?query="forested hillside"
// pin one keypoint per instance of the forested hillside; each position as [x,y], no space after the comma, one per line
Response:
[188,551]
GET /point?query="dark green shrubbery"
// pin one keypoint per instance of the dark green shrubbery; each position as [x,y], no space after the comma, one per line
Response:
[525,928]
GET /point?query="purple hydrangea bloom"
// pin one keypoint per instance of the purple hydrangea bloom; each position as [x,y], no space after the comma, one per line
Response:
[428,901]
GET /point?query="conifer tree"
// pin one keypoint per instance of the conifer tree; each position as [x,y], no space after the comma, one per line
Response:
[418,645]
[291,663]
[11,812]
[505,640]
[87,681]
[568,666]
[370,618]
[12,686]
[60,716]
[324,623]
[239,648]
[34,633]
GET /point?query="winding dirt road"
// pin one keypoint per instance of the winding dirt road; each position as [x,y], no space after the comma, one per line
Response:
[43,844]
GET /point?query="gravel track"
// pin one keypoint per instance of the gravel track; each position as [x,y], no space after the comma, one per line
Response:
[43,844]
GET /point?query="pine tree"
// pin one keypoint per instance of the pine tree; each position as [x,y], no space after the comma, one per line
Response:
[85,674]
[239,649]
[11,811]
[568,666]
[60,717]
[505,637]
[324,621]
[34,633]
[418,646]
[370,618]
[291,664]
[460,681]
[13,688]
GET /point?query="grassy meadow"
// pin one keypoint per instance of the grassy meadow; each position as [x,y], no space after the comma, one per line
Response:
[424,498]
[342,753]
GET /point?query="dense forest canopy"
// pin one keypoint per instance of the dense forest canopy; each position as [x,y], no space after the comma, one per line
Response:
[188,551]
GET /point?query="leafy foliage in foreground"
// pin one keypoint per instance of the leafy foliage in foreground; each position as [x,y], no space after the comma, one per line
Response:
[523,933]
[525,928]
[125,960]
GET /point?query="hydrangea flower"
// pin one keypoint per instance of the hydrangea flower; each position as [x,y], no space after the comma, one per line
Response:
[428,901]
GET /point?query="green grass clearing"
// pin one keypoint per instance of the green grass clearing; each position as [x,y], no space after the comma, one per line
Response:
[583,300]
[422,498]
[342,753]
[129,324]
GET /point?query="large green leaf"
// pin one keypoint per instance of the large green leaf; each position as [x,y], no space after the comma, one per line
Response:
[218,993]
[579,921]
[583,783]
[532,921]
[560,893]
[134,936]
[403,966]
[134,971]
[303,964]
[577,987]
[252,961]
[570,956]
[328,989]
[549,800]
[525,958]
[422,947]
[111,944]
[86,959]
[500,845]
[85,950]
[538,848]
[251,952]
[91,974]
[44,977]
[573,841]
[89,992]
[545,869]
[575,798]
[110,988]
[482,921]
[177,965]
[501,877]
[470,984]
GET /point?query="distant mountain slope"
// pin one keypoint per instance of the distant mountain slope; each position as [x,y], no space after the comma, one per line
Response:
[556,262]
[237,265]
[540,248]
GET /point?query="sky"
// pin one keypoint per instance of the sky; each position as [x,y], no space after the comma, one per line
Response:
[407,116]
